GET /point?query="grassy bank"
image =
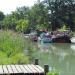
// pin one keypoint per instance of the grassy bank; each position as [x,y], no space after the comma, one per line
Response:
[12,46]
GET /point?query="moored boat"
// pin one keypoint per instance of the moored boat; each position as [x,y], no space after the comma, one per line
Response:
[73,40]
[44,38]
[58,38]
[33,36]
[61,39]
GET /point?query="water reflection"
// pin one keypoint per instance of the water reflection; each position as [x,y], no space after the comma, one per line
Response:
[72,46]
[60,57]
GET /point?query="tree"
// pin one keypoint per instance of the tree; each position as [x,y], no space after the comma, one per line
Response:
[9,22]
[22,25]
[65,8]
[22,12]
[1,19]
[1,16]
[38,16]
[17,19]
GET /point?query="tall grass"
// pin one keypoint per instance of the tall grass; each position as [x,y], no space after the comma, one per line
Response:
[12,46]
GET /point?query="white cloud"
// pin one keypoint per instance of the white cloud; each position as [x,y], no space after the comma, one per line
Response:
[10,5]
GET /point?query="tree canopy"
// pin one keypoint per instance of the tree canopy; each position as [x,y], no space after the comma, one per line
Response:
[47,14]
[62,13]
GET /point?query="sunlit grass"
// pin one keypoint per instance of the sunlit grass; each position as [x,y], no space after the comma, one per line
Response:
[52,73]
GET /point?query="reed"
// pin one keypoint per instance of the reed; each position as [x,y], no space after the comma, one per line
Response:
[12,46]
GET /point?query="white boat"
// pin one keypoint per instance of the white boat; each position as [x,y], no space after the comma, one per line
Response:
[72,40]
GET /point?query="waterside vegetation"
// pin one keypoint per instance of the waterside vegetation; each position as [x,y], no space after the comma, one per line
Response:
[12,46]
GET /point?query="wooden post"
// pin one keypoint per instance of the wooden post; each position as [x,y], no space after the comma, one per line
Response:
[46,69]
[36,61]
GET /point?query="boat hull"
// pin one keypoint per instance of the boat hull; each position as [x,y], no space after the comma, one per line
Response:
[61,39]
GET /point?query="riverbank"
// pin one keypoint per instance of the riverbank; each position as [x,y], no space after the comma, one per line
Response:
[12,46]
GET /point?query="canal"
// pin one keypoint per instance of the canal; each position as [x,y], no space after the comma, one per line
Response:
[60,57]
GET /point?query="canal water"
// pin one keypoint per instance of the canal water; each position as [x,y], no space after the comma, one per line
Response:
[60,57]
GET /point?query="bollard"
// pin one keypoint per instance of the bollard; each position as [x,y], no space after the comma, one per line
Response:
[36,61]
[46,69]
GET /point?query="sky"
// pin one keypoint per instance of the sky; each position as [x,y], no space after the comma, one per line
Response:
[7,6]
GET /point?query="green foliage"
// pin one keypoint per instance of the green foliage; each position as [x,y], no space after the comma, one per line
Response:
[9,22]
[38,16]
[22,12]
[20,58]
[42,15]
[66,10]
[63,28]
[1,16]
[12,46]
[22,25]
[42,26]
[52,73]
[25,18]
